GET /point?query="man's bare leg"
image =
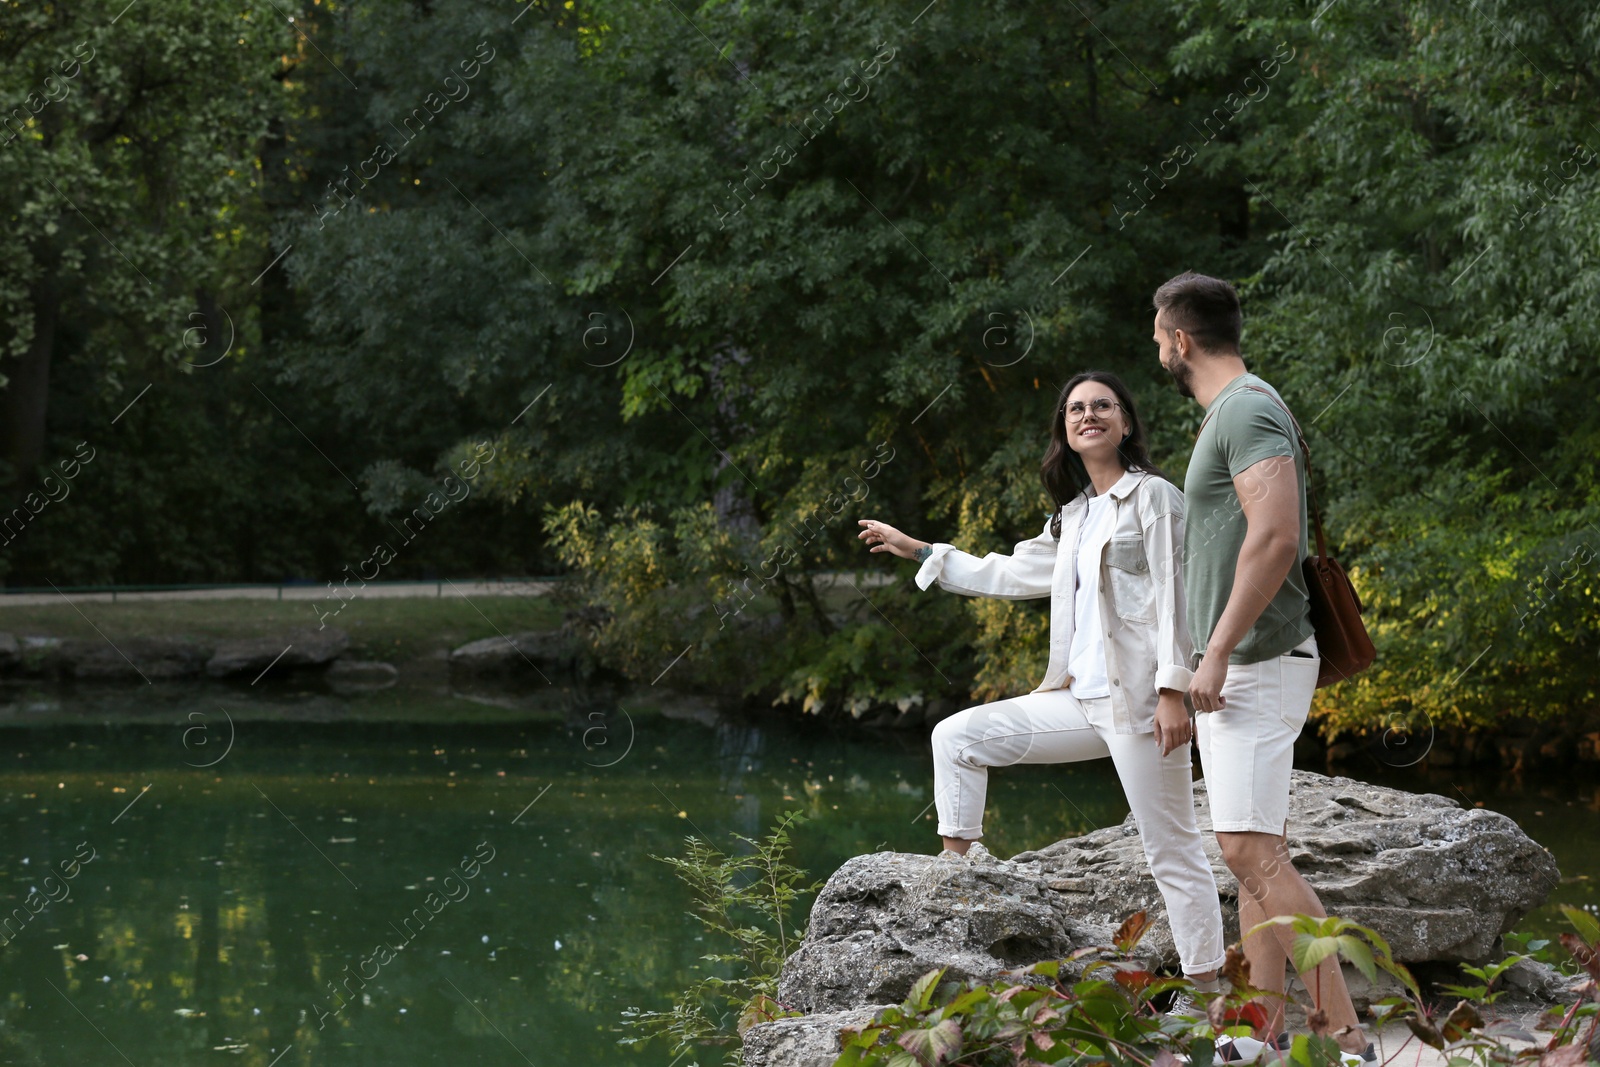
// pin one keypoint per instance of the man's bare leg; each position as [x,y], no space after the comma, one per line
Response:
[1272,887]
[1267,959]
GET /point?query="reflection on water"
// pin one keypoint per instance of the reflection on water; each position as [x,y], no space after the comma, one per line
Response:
[470,886]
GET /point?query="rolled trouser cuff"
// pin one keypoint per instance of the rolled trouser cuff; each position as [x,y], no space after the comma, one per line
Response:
[964,833]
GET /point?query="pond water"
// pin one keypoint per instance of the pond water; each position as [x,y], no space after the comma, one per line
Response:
[186,913]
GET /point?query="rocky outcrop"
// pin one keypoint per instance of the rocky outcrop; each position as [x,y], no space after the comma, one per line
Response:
[887,918]
[132,659]
[1438,881]
[31,655]
[532,652]
[300,648]
[806,1041]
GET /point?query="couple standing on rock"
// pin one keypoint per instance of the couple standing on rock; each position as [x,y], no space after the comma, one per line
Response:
[1131,583]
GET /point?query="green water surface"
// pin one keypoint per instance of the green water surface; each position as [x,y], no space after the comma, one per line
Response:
[248,849]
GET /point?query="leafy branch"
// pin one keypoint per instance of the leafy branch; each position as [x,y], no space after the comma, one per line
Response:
[746,903]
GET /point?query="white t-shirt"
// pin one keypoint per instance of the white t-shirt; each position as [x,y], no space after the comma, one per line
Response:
[1087,659]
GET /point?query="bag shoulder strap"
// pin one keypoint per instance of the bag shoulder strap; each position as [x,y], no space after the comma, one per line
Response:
[1305,450]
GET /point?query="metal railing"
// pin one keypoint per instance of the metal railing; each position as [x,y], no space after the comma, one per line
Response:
[298,590]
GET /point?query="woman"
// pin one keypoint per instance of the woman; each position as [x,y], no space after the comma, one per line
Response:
[1110,560]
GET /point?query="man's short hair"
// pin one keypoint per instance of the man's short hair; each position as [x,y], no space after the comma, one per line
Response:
[1203,307]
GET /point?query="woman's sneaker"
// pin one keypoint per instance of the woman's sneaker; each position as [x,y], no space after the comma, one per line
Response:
[1248,1049]
[1185,1005]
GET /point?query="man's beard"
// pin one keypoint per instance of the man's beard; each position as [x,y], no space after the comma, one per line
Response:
[1182,377]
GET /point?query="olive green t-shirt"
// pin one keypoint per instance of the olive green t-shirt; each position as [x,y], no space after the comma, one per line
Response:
[1242,428]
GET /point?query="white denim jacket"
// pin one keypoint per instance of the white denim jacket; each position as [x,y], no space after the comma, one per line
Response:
[1142,611]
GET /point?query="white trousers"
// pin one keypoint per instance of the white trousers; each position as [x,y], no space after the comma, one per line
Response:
[1057,727]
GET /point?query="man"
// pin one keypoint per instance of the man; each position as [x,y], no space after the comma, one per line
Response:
[1249,617]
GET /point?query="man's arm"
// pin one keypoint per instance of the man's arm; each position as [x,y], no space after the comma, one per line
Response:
[1269,495]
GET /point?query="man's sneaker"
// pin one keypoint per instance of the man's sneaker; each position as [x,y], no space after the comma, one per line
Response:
[1351,1059]
[1248,1049]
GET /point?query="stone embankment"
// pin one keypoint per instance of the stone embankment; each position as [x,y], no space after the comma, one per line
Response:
[294,653]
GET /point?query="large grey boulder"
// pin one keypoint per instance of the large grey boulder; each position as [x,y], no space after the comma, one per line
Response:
[1439,882]
[531,652]
[887,918]
[296,649]
[132,659]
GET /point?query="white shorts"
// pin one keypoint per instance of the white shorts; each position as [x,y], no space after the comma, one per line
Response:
[1247,749]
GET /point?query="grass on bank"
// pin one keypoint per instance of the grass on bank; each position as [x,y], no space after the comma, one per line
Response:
[392,629]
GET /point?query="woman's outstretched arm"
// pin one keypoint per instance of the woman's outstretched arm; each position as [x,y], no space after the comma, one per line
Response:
[1023,575]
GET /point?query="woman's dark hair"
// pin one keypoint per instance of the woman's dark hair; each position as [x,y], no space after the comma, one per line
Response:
[1062,469]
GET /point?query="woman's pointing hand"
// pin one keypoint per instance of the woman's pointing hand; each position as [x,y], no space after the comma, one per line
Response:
[885,538]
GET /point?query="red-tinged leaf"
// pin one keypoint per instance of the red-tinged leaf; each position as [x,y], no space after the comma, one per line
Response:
[1588,958]
[1425,1032]
[1461,1021]
[1134,981]
[1551,1019]
[1223,1015]
[1132,930]
[1505,1029]
[1587,925]
[1565,1056]
[862,1037]
[1044,1042]
[1164,1058]
[1087,950]
[761,1009]
[935,1046]
[1236,968]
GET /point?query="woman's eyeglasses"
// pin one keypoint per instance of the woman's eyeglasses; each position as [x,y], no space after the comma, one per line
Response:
[1101,406]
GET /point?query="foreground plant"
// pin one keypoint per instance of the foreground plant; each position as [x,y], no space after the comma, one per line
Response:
[746,902]
[1032,1016]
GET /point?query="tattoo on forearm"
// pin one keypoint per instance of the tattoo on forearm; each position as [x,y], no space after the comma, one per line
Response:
[922,553]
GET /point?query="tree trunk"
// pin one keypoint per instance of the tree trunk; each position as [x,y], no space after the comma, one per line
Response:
[23,403]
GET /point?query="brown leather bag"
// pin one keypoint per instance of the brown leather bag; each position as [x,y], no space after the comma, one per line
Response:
[1342,639]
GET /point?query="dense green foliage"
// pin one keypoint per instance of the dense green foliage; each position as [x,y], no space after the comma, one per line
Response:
[714,282]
